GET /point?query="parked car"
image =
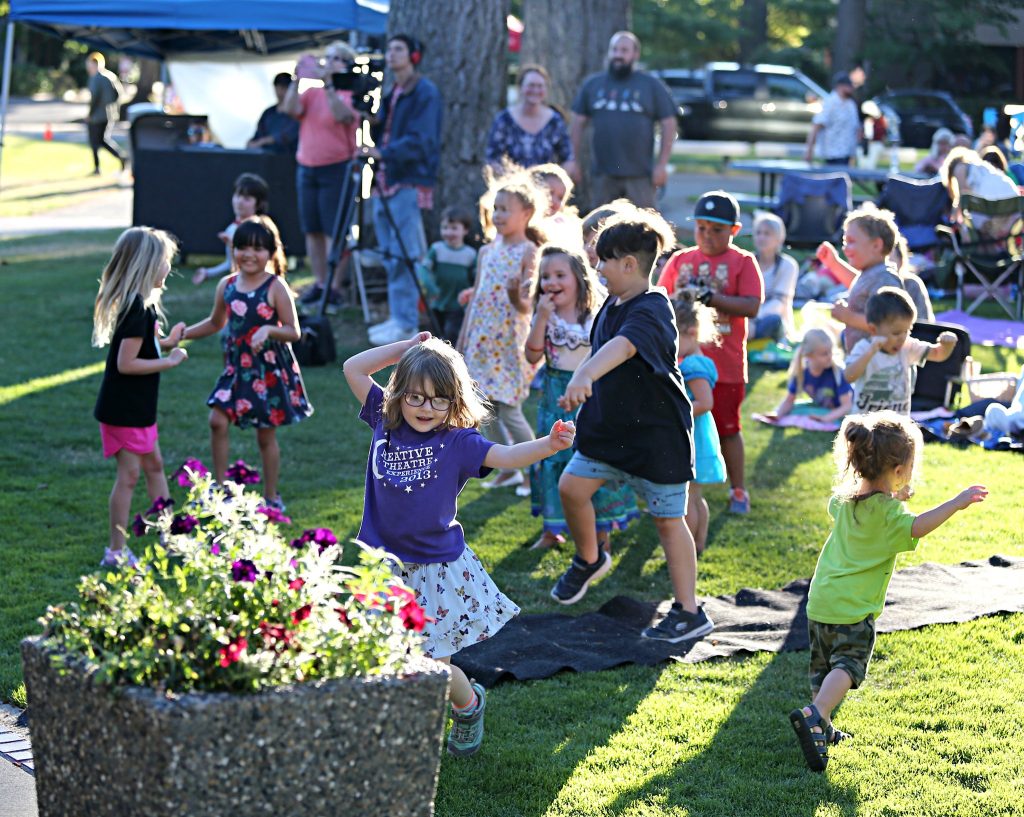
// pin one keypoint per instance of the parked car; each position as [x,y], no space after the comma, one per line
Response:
[921,113]
[726,100]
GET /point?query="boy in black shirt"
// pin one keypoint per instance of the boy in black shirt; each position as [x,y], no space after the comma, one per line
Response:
[635,424]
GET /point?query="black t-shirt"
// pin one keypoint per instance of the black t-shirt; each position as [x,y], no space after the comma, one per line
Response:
[639,418]
[130,399]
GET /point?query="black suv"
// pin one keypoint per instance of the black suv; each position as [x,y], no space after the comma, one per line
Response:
[920,113]
[726,100]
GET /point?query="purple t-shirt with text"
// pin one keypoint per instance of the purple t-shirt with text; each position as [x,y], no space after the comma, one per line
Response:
[413,480]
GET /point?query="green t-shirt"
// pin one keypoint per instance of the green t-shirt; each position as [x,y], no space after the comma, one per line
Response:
[453,271]
[856,562]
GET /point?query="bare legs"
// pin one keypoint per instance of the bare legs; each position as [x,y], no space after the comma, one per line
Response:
[697,515]
[833,689]
[732,452]
[129,466]
[462,692]
[270,452]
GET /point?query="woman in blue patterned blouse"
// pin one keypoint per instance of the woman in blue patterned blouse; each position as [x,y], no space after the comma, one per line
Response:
[530,132]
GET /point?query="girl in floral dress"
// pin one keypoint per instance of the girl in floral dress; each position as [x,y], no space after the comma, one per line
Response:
[261,384]
[567,299]
[498,319]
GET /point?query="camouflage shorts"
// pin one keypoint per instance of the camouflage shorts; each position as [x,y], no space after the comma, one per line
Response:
[844,646]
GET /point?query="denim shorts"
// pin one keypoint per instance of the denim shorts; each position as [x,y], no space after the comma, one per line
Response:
[319,193]
[667,501]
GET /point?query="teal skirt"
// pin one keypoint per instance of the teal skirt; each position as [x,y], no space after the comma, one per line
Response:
[614,507]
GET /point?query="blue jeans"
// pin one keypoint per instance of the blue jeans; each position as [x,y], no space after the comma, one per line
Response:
[405,239]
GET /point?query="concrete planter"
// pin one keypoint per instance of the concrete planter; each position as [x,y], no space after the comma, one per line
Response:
[346,746]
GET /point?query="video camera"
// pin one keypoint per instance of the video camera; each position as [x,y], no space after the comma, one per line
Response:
[363,80]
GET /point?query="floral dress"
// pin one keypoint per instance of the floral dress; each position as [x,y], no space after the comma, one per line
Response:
[566,345]
[496,332]
[262,389]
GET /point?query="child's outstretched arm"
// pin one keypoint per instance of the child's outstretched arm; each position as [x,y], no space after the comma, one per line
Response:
[851,317]
[129,362]
[614,353]
[288,332]
[703,400]
[786,406]
[359,368]
[523,454]
[928,521]
[214,323]
[174,338]
[944,348]
[828,255]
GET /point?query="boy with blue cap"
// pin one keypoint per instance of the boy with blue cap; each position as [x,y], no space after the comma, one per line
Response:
[727,279]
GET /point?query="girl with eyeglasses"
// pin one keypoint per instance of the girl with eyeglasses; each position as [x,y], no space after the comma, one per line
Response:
[426,446]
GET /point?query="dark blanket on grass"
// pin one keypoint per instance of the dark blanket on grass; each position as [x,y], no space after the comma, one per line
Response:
[538,646]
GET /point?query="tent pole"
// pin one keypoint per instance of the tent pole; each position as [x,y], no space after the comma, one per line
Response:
[6,91]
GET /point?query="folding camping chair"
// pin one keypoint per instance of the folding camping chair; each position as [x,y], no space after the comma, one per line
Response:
[938,384]
[813,207]
[919,205]
[996,262]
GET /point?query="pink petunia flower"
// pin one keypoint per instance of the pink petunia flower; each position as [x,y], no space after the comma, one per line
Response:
[232,652]
[239,308]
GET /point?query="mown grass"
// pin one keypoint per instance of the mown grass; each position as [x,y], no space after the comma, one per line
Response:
[936,724]
[39,176]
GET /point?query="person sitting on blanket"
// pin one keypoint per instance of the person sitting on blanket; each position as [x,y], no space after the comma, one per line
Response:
[815,371]
[876,457]
[880,365]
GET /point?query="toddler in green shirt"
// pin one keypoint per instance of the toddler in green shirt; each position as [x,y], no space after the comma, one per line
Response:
[876,455]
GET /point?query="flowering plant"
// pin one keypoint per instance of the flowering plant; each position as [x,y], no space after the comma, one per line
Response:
[225,603]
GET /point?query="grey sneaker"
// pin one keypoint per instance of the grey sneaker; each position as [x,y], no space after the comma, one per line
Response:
[572,586]
[468,729]
[679,625]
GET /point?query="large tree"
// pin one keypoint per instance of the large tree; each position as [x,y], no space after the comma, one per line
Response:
[592,23]
[465,47]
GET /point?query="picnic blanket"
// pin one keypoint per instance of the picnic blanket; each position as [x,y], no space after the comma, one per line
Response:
[804,421]
[538,646]
[987,331]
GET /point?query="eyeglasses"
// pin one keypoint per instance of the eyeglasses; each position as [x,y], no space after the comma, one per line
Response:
[436,403]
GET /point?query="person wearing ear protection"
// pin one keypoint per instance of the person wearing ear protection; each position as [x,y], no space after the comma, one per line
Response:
[406,134]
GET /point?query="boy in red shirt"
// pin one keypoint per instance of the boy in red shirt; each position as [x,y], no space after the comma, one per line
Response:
[727,279]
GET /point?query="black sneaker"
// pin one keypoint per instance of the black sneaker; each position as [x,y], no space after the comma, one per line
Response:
[312,295]
[572,586]
[679,625]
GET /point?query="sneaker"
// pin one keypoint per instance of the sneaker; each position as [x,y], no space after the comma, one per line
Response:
[276,503]
[505,479]
[572,586]
[679,625]
[119,558]
[468,727]
[312,295]
[391,335]
[383,326]
[739,501]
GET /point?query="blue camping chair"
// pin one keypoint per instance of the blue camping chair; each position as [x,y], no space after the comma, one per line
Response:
[813,207]
[919,207]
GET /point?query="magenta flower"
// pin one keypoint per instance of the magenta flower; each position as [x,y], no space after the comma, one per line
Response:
[232,652]
[215,549]
[296,584]
[301,614]
[273,514]
[191,464]
[242,474]
[321,537]
[138,525]
[244,571]
[183,523]
[413,616]
[159,504]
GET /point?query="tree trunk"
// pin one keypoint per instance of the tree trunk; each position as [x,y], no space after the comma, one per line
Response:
[753,29]
[849,39]
[592,23]
[465,48]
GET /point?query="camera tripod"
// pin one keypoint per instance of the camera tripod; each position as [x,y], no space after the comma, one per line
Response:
[347,239]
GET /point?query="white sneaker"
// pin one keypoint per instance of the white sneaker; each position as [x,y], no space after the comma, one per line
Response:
[392,335]
[384,326]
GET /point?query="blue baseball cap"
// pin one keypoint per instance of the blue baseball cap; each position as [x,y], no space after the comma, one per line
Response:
[717,206]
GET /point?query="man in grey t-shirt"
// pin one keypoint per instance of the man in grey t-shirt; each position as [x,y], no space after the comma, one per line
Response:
[624,105]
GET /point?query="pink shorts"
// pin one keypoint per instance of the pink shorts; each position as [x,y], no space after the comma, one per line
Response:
[136,440]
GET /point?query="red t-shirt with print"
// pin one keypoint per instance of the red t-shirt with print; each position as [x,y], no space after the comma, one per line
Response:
[734,272]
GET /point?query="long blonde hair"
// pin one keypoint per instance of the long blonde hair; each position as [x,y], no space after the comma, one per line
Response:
[815,338]
[436,361]
[133,270]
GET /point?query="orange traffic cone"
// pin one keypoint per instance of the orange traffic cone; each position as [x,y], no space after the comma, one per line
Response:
[47,133]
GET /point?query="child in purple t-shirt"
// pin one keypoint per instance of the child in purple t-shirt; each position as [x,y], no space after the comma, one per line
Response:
[426,447]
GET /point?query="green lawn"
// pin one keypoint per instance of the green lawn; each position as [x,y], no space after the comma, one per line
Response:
[937,724]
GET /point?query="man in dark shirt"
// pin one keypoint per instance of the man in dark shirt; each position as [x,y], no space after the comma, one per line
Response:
[104,93]
[625,105]
[277,132]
